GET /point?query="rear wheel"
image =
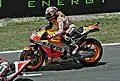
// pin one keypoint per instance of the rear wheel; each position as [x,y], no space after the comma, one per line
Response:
[98,50]
[37,59]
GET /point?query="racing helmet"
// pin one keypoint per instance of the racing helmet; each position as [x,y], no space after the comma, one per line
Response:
[50,12]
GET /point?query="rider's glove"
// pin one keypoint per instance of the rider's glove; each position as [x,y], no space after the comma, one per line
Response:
[49,36]
[48,27]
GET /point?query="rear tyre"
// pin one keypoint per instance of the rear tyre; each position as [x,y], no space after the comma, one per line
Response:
[37,60]
[98,53]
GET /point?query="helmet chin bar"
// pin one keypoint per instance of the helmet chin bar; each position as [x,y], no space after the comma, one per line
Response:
[50,19]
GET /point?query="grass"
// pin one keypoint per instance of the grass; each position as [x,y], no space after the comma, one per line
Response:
[15,35]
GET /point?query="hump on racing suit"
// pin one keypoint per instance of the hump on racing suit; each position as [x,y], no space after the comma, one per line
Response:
[64,19]
[61,22]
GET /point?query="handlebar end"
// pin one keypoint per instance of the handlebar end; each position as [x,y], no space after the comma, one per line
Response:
[97,23]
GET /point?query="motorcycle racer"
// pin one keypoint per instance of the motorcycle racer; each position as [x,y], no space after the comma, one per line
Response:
[5,68]
[63,24]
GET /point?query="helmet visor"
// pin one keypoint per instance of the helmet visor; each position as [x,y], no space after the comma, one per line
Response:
[48,16]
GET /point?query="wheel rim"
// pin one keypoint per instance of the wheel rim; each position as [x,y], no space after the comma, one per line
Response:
[32,65]
[97,53]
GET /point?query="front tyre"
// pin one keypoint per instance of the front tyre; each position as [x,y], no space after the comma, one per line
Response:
[93,44]
[36,60]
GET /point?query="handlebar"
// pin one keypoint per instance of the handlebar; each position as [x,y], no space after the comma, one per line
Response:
[97,23]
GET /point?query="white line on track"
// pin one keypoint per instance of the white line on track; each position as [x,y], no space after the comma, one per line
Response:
[109,44]
[11,51]
[30,75]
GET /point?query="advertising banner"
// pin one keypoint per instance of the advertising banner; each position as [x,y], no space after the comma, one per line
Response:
[30,8]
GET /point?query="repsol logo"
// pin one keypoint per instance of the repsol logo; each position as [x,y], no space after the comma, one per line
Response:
[49,45]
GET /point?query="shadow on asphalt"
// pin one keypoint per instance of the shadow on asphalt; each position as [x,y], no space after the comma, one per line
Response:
[99,64]
[69,66]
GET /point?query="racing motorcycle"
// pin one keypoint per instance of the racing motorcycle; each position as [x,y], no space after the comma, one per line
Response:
[42,50]
[16,70]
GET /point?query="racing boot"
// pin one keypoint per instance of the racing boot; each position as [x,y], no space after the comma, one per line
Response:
[75,47]
[75,50]
[83,30]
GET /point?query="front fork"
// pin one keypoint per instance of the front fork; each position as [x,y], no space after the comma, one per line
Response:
[36,50]
[33,48]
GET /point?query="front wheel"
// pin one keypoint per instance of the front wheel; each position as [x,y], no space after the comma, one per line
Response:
[36,59]
[93,44]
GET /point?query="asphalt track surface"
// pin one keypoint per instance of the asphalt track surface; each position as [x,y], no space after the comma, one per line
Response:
[108,69]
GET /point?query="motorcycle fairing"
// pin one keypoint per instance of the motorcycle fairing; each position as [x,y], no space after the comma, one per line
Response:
[18,66]
[53,46]
[53,51]
[51,54]
[21,64]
